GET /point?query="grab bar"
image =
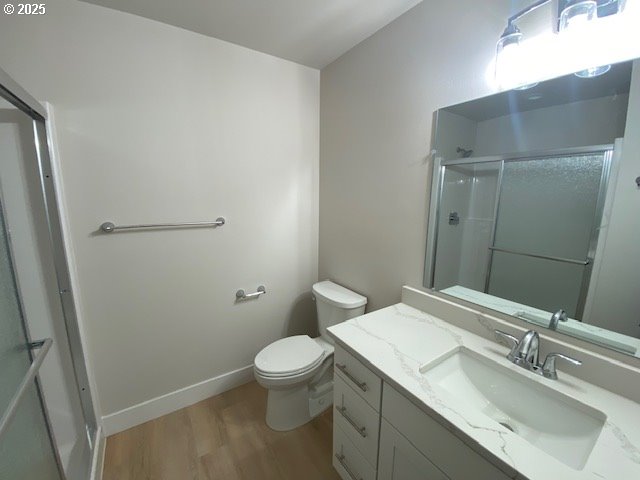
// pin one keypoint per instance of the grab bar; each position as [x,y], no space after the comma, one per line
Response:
[109,227]
[242,295]
[544,257]
[44,346]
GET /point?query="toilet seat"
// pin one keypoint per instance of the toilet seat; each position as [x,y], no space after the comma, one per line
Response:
[289,357]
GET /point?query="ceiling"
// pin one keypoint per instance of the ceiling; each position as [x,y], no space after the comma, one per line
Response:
[310,32]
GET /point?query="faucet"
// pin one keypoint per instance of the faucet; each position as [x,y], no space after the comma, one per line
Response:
[559,316]
[525,353]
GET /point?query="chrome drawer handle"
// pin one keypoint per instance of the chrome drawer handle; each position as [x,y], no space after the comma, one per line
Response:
[341,459]
[361,430]
[343,368]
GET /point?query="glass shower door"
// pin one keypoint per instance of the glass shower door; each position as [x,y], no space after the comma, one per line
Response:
[26,448]
[545,228]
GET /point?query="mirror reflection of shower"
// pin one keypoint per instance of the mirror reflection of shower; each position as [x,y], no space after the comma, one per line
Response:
[529,227]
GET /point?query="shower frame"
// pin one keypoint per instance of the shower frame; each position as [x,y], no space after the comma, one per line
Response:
[13,93]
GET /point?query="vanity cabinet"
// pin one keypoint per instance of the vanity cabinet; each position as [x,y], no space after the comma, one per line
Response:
[379,434]
[452,457]
[400,460]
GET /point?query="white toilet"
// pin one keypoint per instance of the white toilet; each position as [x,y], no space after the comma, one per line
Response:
[298,370]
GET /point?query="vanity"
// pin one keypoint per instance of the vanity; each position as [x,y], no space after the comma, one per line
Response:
[417,396]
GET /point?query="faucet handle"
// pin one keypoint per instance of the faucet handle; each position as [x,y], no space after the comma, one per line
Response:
[507,336]
[549,366]
[514,341]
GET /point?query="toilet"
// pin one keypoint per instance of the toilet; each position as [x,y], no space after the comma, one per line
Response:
[298,370]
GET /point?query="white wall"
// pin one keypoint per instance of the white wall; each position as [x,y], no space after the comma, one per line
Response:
[454,131]
[456,195]
[478,227]
[462,253]
[157,124]
[376,114]
[597,121]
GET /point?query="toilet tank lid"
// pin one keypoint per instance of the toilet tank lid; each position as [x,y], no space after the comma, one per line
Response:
[338,295]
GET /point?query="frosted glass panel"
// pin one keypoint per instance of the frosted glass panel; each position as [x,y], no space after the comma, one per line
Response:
[14,357]
[25,448]
[548,206]
[26,452]
[539,283]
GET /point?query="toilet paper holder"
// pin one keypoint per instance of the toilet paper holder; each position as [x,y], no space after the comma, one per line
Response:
[242,295]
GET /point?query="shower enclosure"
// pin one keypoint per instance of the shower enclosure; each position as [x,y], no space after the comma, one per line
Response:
[48,427]
[523,228]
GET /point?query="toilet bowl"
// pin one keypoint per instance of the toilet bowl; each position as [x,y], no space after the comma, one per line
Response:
[298,370]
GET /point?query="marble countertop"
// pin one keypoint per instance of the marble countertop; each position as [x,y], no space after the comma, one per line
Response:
[396,341]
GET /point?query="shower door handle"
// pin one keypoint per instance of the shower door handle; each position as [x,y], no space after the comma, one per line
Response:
[44,346]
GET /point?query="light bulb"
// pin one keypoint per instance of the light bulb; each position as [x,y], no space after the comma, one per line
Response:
[593,71]
[508,58]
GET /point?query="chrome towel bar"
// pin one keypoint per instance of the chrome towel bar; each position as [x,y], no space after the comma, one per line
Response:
[109,227]
[27,381]
[543,257]
[242,295]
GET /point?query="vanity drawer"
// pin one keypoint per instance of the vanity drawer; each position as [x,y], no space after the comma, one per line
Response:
[439,445]
[357,419]
[354,373]
[348,460]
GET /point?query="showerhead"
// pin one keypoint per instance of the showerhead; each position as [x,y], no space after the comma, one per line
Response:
[464,153]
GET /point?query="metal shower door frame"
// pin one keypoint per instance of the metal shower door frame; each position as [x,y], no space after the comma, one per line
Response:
[22,100]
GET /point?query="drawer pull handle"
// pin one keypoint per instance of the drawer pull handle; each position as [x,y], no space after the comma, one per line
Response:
[341,459]
[361,430]
[343,368]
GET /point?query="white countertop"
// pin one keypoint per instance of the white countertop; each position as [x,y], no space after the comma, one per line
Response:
[396,341]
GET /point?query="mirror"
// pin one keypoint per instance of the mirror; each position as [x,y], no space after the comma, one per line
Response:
[535,206]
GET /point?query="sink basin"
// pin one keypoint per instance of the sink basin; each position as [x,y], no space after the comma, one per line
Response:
[557,424]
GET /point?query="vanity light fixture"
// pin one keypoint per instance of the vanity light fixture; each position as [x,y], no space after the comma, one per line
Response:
[507,50]
[575,18]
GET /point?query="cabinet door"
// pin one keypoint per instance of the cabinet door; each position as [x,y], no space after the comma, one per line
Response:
[400,460]
[444,449]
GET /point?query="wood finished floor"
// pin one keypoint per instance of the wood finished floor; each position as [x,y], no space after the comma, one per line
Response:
[223,438]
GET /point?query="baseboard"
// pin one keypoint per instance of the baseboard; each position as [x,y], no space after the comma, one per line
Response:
[159,406]
[97,462]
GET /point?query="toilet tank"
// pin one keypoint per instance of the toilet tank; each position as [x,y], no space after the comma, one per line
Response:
[335,304]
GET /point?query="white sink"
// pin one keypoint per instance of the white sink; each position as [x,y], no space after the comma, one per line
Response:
[557,424]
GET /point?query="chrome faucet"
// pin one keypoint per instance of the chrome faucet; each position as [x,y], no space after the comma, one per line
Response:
[559,316]
[525,353]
